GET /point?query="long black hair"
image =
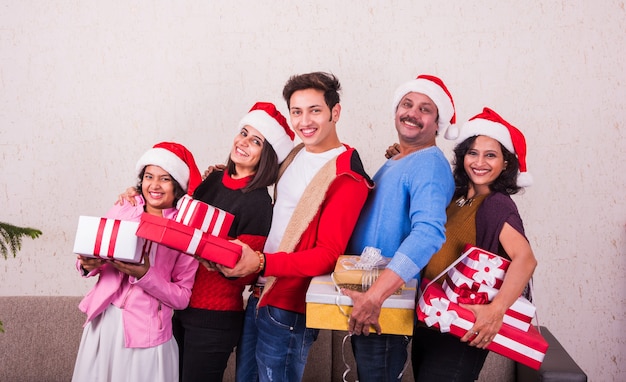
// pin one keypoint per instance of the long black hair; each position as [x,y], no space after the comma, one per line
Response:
[506,182]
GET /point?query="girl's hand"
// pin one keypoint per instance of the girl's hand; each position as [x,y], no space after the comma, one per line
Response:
[135,270]
[392,151]
[209,265]
[89,263]
[129,196]
[217,167]
[488,322]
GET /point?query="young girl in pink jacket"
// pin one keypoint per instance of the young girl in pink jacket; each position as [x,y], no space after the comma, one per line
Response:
[128,332]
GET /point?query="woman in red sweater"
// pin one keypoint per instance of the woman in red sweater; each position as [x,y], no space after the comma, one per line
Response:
[208,330]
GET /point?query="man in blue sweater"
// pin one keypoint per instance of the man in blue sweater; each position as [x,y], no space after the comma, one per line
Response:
[404,217]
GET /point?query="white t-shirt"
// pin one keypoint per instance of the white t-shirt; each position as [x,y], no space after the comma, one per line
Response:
[290,188]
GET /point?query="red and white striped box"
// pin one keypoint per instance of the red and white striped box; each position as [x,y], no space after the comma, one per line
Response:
[435,309]
[461,289]
[188,240]
[202,216]
[100,237]
[483,267]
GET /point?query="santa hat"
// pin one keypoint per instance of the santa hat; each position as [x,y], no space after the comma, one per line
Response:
[264,117]
[176,160]
[437,91]
[490,124]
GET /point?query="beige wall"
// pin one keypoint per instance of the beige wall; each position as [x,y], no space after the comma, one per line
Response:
[87,87]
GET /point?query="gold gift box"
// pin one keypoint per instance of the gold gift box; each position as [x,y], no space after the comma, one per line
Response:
[326,308]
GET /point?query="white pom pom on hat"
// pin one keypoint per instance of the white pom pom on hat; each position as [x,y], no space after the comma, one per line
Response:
[264,117]
[492,125]
[437,91]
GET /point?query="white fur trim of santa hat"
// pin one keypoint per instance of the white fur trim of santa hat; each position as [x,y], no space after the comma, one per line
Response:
[168,161]
[274,128]
[437,92]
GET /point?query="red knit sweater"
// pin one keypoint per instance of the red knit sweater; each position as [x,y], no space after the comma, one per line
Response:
[253,216]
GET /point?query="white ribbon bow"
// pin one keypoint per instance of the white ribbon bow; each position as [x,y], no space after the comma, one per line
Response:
[370,258]
[437,313]
[487,269]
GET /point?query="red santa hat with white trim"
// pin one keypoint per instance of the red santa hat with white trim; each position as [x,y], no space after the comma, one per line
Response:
[437,91]
[264,117]
[490,124]
[176,160]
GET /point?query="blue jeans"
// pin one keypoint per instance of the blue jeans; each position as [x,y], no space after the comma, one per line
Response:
[246,367]
[380,357]
[443,357]
[283,344]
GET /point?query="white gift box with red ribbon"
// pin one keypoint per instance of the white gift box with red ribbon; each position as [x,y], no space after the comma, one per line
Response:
[462,289]
[203,216]
[100,237]
[435,309]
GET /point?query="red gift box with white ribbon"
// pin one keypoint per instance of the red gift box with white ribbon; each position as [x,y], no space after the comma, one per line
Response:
[204,217]
[435,309]
[461,289]
[99,237]
[188,240]
[483,267]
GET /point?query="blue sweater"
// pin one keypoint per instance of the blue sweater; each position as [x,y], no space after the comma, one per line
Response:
[405,214]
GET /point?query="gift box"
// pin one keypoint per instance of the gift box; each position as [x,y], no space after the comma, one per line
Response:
[326,308]
[99,237]
[483,267]
[188,240]
[461,289]
[204,217]
[435,309]
[351,272]
[347,272]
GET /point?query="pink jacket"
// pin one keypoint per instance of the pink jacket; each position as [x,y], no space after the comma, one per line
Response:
[147,304]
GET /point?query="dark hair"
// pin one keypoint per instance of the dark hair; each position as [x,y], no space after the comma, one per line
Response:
[266,169]
[506,182]
[178,189]
[326,82]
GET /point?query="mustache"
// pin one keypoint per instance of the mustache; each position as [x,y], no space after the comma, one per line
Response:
[412,121]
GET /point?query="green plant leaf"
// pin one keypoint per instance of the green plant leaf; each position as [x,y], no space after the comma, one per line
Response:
[11,238]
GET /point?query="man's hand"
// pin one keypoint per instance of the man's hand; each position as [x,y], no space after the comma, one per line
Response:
[364,314]
[366,306]
[247,264]
[129,196]
[221,167]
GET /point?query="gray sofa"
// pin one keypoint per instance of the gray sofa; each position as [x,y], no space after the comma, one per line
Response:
[42,334]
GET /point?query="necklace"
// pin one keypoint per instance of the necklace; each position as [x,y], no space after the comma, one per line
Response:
[464,202]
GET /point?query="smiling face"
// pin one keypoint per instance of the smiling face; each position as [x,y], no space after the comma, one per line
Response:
[157,187]
[416,121]
[483,163]
[246,151]
[313,121]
